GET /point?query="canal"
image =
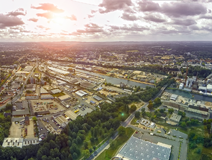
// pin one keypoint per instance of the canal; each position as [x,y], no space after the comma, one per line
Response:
[190,95]
[116,81]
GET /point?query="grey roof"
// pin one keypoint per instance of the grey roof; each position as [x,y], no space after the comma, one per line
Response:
[97,98]
[48,96]
[138,149]
[21,112]
[54,91]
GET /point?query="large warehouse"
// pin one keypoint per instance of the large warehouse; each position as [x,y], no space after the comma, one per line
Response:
[138,149]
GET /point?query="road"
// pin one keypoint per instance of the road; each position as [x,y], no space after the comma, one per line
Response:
[124,124]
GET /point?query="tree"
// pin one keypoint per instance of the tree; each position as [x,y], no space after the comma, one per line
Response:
[150,106]
[143,112]
[86,153]
[34,118]
[121,130]
[183,124]
[171,110]
[157,101]
[133,108]
[137,114]
[85,144]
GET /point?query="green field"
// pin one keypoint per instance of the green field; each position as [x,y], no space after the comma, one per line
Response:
[118,142]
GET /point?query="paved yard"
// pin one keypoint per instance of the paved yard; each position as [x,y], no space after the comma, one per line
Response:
[15,130]
[30,130]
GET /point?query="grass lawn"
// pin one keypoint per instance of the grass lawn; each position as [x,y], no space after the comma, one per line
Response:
[192,155]
[118,142]
[58,94]
[133,122]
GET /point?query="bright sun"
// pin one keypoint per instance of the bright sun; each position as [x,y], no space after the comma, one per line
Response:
[57,23]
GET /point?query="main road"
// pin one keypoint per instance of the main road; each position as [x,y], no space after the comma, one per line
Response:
[124,124]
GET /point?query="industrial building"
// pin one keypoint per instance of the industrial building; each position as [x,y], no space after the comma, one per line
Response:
[175,118]
[58,71]
[97,98]
[55,91]
[80,93]
[31,87]
[19,142]
[64,97]
[61,120]
[173,97]
[21,109]
[138,149]
[181,86]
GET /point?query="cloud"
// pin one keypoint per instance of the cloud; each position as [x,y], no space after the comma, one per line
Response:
[72,17]
[205,17]
[112,5]
[9,21]
[176,9]
[133,27]
[91,28]
[42,27]
[18,12]
[90,16]
[173,9]
[153,18]
[184,22]
[129,17]
[48,7]
[148,6]
[47,15]
[33,19]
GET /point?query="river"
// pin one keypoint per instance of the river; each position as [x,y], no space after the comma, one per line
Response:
[190,95]
[115,81]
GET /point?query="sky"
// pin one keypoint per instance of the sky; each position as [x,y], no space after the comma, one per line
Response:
[105,20]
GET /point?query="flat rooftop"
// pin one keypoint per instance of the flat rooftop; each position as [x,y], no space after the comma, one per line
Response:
[175,117]
[138,149]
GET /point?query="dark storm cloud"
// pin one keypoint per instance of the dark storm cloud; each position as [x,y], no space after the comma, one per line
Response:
[33,19]
[18,12]
[48,7]
[205,17]
[173,9]
[72,17]
[184,22]
[153,18]
[176,9]
[129,17]
[112,5]
[47,15]
[9,21]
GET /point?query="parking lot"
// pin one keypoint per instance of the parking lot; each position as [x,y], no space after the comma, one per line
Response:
[82,109]
[41,128]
